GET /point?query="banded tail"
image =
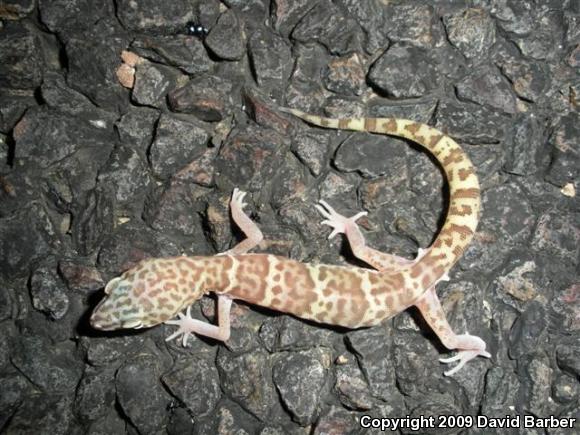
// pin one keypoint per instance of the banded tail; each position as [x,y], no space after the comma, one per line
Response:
[464,199]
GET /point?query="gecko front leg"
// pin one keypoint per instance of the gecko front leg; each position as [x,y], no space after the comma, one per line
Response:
[188,325]
[185,323]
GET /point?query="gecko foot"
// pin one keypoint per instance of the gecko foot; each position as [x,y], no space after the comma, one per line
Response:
[238,199]
[469,347]
[186,325]
[335,220]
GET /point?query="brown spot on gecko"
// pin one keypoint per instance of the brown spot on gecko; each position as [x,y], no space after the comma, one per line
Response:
[462,210]
[370,124]
[455,156]
[277,289]
[465,172]
[463,230]
[390,126]
[344,123]
[413,128]
[472,192]
[432,143]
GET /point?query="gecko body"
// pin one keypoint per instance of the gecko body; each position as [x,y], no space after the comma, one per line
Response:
[156,290]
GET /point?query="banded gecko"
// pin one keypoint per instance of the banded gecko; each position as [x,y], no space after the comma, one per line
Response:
[158,289]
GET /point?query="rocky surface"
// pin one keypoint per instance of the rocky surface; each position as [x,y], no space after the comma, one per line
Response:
[96,175]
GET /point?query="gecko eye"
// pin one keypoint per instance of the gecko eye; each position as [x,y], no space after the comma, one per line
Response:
[111,284]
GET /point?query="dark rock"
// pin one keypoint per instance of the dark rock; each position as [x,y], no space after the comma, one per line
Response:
[110,423]
[271,59]
[106,350]
[287,13]
[472,32]
[370,15]
[529,333]
[546,39]
[44,138]
[471,123]
[565,163]
[565,389]
[526,142]
[264,113]
[176,208]
[501,387]
[246,379]
[95,395]
[556,234]
[536,387]
[529,80]
[135,128]
[337,421]
[13,104]
[327,24]
[290,182]
[127,175]
[53,368]
[65,17]
[508,222]
[20,58]
[49,412]
[254,9]
[515,17]
[19,249]
[47,292]
[371,155]
[299,378]
[228,418]
[250,156]
[15,389]
[93,221]
[338,186]
[344,107]
[285,333]
[404,72]
[152,82]
[128,244]
[150,16]
[16,9]
[486,86]
[311,147]
[92,62]
[80,277]
[57,95]
[567,356]
[196,386]
[420,111]
[414,23]
[227,39]
[373,354]
[177,142]
[200,170]
[345,75]
[184,52]
[137,379]
[352,388]
[207,98]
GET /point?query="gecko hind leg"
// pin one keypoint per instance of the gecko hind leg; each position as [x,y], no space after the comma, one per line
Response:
[468,346]
[253,234]
[187,325]
[347,226]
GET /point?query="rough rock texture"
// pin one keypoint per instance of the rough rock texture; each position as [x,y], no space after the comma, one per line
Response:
[95,176]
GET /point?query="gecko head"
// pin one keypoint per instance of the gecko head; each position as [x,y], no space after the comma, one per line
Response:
[119,309]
